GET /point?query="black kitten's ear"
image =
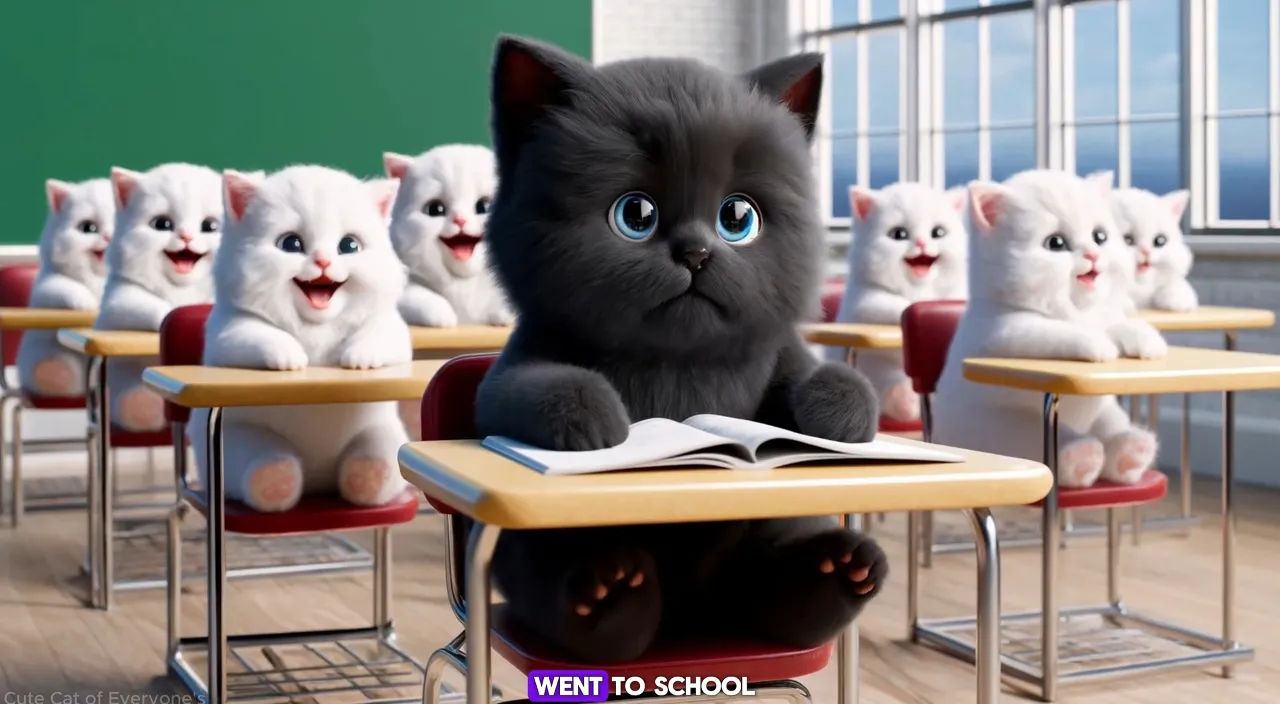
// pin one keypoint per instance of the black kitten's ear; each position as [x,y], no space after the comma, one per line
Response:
[796,81]
[529,77]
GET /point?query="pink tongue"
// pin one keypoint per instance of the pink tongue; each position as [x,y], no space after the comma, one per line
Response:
[462,251]
[184,266]
[318,297]
[921,270]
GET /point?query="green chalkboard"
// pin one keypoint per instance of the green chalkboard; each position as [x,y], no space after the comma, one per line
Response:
[245,84]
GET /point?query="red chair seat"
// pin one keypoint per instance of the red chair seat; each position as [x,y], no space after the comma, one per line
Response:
[832,294]
[313,514]
[758,662]
[53,403]
[124,438]
[1104,494]
[893,425]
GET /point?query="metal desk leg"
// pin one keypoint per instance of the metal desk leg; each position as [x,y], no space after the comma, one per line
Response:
[1228,516]
[106,486]
[987,643]
[215,528]
[99,442]
[1049,558]
[847,645]
[484,539]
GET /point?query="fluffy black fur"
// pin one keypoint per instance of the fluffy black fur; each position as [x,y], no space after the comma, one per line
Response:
[612,331]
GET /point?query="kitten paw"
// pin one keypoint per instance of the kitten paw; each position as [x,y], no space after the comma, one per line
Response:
[274,486]
[369,481]
[584,414]
[140,411]
[1080,463]
[57,377]
[1096,347]
[901,402]
[837,403]
[1140,340]
[615,606]
[853,560]
[501,318]
[366,354]
[289,357]
[1129,455]
[411,417]
[430,311]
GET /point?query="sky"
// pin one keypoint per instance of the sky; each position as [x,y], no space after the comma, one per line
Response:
[1154,33]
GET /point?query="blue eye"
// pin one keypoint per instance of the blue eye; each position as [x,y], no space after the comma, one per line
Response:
[290,242]
[634,217]
[349,244]
[738,221]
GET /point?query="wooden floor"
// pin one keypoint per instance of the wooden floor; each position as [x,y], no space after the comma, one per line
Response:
[50,644]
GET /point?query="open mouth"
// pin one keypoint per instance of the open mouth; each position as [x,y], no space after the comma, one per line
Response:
[461,245]
[1088,278]
[1144,266]
[920,264]
[99,254]
[319,291]
[184,260]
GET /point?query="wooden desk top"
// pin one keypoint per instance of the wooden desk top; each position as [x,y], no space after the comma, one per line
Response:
[863,336]
[45,318]
[110,343]
[1185,370]
[223,387]
[499,491]
[459,340]
[1209,318]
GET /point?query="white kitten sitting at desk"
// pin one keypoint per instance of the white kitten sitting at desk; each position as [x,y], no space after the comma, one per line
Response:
[73,247]
[909,245]
[1044,258]
[307,277]
[1151,226]
[168,223]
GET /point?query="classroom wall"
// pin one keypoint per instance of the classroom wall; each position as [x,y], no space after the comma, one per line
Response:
[246,84]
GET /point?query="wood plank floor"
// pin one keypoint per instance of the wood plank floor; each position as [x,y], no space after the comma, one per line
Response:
[50,643]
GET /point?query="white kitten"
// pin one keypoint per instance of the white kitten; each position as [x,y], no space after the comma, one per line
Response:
[437,228]
[1045,256]
[1160,258]
[72,249]
[909,245]
[166,232]
[307,276]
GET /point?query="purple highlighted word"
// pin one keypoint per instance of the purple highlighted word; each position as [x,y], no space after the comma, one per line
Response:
[568,686]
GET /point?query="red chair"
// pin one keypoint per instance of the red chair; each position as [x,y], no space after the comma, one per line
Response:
[182,344]
[927,330]
[448,413]
[832,294]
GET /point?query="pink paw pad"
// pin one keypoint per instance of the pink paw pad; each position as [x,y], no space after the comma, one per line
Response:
[141,410]
[1134,455]
[411,417]
[56,377]
[1080,463]
[902,403]
[274,486]
[366,481]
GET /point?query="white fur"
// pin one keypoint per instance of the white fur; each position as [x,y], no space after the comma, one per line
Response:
[72,269]
[444,290]
[143,283]
[880,282]
[263,320]
[1153,223]
[1026,301]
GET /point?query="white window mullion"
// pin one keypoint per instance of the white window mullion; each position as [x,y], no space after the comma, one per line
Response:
[805,17]
[1067,88]
[984,97]
[1210,79]
[1193,109]
[909,85]
[864,116]
[1124,64]
[937,102]
[1273,107]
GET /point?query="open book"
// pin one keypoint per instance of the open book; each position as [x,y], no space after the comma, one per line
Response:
[710,441]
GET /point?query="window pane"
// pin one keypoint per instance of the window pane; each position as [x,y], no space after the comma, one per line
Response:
[968,4]
[884,161]
[1244,176]
[961,158]
[1154,40]
[882,81]
[844,85]
[1097,148]
[1012,151]
[885,9]
[1096,59]
[845,12]
[1155,154]
[1242,54]
[1012,68]
[844,173]
[959,73]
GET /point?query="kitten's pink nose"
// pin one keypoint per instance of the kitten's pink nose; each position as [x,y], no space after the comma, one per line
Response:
[920,243]
[323,262]
[1146,252]
[185,236]
[1091,255]
[459,220]
[106,236]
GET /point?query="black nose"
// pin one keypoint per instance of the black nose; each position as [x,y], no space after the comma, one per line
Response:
[692,257]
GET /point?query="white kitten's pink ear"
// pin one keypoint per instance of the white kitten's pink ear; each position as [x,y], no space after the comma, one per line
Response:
[987,203]
[1177,202]
[383,191]
[1104,181]
[861,202]
[123,184]
[56,193]
[396,165]
[238,189]
[958,197]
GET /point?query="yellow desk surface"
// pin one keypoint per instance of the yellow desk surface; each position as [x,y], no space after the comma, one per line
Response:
[501,492]
[45,318]
[462,339]
[110,343]
[1185,370]
[209,387]
[1209,318]
[863,336]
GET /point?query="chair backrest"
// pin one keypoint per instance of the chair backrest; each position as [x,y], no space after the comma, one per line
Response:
[182,344]
[832,293]
[449,403]
[927,329]
[15,292]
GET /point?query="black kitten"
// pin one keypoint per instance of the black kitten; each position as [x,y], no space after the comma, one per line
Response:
[656,229]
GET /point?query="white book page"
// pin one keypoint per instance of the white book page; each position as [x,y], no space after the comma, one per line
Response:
[651,443]
[755,436]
